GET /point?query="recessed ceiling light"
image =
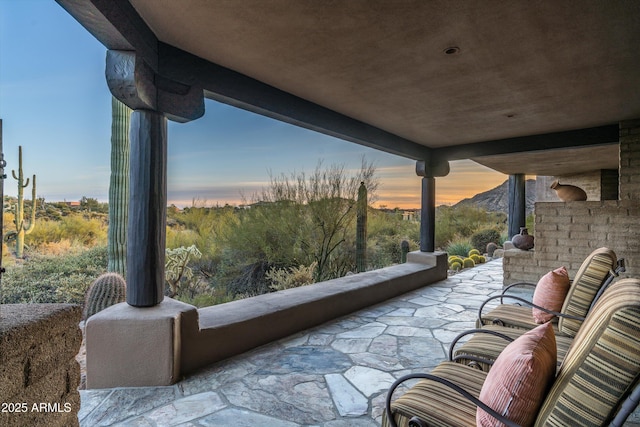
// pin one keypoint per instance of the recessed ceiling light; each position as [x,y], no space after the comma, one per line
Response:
[451,50]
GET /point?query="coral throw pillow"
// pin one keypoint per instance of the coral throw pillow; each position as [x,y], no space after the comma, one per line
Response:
[519,380]
[551,290]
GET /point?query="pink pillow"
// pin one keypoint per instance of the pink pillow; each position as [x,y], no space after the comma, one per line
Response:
[519,380]
[551,290]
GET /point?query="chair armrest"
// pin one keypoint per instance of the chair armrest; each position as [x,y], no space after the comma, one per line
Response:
[476,331]
[457,388]
[513,285]
[526,302]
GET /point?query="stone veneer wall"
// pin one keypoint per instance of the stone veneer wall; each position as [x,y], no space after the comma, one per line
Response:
[39,375]
[565,233]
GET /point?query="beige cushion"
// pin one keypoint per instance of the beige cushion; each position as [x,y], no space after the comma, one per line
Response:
[518,382]
[551,290]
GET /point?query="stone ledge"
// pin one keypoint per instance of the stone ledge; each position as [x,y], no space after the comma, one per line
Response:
[38,345]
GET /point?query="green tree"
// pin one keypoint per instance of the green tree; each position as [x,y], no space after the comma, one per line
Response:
[327,203]
[91,204]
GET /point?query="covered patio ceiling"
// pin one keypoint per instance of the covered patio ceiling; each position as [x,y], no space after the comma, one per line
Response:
[519,86]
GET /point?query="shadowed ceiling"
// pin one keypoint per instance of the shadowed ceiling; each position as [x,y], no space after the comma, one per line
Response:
[520,86]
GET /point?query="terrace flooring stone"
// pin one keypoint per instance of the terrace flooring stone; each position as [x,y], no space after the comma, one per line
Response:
[334,375]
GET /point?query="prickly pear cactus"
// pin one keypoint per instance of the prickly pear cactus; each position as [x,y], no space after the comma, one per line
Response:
[108,289]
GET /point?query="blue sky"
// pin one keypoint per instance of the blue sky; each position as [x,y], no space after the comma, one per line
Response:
[54,101]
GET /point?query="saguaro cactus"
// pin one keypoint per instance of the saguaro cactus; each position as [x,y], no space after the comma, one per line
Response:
[23,228]
[118,188]
[361,229]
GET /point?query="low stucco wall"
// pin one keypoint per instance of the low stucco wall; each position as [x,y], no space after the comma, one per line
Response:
[39,374]
[133,347]
[232,328]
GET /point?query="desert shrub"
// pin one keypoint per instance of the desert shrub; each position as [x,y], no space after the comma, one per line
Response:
[53,279]
[292,277]
[248,280]
[480,239]
[386,250]
[200,225]
[76,228]
[459,247]
[177,237]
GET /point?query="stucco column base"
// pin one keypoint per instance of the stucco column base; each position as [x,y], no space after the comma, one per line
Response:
[135,347]
[438,259]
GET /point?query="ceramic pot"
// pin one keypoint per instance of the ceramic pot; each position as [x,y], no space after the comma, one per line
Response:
[568,193]
[523,240]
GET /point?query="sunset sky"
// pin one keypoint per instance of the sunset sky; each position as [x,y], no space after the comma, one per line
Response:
[54,102]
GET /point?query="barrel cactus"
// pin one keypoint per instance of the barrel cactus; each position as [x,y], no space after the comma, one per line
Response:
[455,266]
[455,258]
[468,263]
[474,252]
[108,289]
[475,258]
[491,248]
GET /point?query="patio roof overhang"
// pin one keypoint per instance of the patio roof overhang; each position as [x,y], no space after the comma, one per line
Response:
[521,87]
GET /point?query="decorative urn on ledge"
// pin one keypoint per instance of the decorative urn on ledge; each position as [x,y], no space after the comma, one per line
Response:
[568,193]
[523,240]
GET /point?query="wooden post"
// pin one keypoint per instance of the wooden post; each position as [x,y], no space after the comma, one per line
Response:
[428,171]
[147,208]
[517,204]
[428,215]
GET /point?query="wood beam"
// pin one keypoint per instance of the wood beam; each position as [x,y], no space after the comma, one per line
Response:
[230,87]
[601,135]
[117,25]
[132,81]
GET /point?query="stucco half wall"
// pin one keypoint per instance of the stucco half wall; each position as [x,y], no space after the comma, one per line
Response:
[192,339]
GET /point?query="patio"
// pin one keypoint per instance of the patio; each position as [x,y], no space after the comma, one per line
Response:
[334,375]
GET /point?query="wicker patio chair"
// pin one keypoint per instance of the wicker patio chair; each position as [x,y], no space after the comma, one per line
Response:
[586,285]
[596,384]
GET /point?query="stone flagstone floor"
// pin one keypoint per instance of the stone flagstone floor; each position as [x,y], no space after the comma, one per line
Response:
[334,375]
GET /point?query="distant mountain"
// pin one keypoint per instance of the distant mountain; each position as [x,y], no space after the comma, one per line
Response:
[497,199]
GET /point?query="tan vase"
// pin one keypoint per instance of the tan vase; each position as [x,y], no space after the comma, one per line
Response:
[568,193]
